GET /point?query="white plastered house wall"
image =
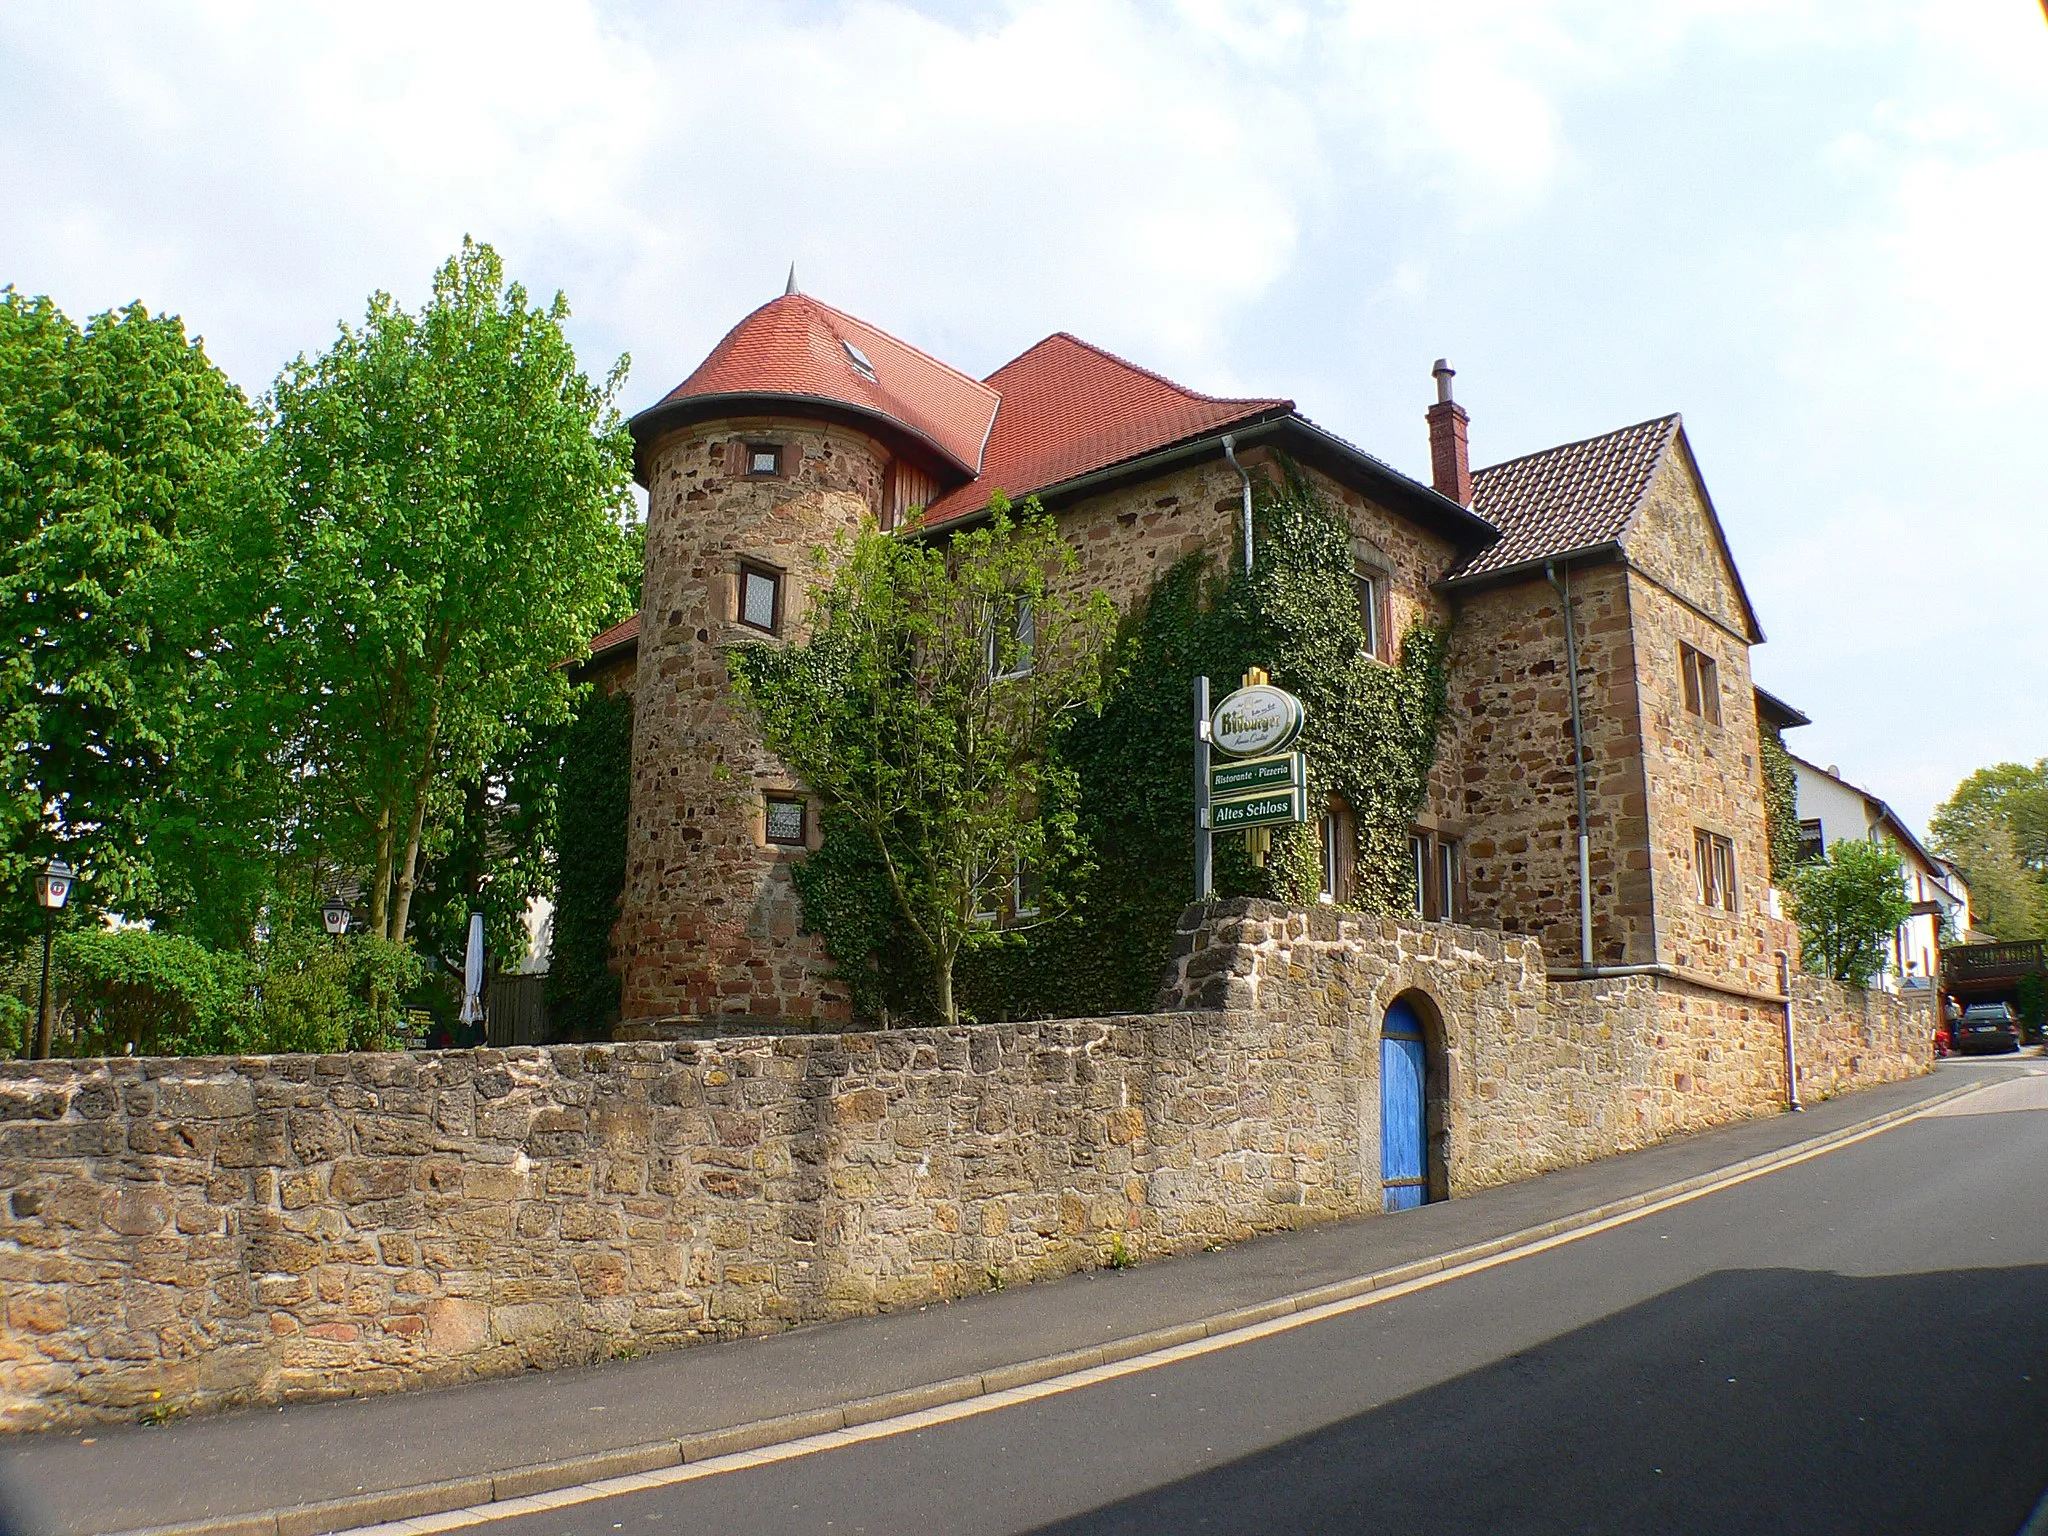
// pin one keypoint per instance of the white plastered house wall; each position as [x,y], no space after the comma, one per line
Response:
[1832,809]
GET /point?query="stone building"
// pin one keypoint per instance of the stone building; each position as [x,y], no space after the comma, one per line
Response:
[805,420]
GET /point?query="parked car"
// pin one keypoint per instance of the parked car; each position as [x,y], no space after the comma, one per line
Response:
[1987,1027]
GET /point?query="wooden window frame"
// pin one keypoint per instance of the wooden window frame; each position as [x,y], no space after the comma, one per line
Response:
[771,799]
[1700,682]
[777,580]
[1714,873]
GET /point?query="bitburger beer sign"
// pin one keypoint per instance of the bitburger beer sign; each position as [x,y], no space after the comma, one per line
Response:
[1256,721]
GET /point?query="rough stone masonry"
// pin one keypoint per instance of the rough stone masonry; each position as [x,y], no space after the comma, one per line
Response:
[184,1234]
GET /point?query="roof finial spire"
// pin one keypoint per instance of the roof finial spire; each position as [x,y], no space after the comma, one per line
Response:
[790,287]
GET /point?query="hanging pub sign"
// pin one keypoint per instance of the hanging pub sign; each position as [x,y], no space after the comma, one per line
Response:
[1255,721]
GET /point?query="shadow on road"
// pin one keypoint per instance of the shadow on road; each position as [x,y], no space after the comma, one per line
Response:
[1746,1401]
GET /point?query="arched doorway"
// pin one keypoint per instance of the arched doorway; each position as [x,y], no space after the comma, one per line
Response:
[1404,1109]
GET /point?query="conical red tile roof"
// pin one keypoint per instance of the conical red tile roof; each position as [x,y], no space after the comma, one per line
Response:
[797,347]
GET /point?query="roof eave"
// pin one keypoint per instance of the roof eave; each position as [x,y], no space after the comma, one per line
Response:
[584,666]
[1461,525]
[1607,549]
[1464,527]
[680,410]
[1785,716]
[1125,471]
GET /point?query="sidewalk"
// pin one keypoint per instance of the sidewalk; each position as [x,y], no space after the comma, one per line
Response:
[258,1462]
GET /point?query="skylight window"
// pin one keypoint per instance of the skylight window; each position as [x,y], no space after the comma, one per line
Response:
[860,361]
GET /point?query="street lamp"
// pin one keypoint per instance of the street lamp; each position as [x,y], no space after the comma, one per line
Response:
[334,917]
[53,889]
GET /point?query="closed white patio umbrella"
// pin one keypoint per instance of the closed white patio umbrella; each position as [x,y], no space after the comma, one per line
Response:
[473,972]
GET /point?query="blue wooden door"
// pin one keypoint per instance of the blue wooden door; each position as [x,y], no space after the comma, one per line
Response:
[1404,1175]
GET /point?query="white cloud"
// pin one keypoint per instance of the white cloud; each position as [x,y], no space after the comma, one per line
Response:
[1815,224]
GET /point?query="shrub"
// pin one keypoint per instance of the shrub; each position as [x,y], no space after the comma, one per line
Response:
[163,994]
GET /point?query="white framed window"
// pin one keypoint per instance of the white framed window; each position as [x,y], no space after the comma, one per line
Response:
[1370,583]
[1446,879]
[1418,859]
[1012,637]
[1339,844]
[1813,842]
[1025,892]
[760,598]
[985,902]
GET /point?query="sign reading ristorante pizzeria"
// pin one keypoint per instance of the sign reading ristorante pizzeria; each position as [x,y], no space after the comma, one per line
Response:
[1255,721]
[1257,775]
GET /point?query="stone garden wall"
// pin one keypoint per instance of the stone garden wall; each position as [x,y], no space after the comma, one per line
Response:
[179,1234]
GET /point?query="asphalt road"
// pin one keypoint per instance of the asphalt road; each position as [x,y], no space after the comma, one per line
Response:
[1858,1343]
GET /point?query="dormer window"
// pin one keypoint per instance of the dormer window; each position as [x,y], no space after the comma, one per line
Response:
[764,459]
[860,362]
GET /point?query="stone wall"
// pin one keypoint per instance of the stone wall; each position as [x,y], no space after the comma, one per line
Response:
[1530,1074]
[1848,1037]
[1511,708]
[177,1235]
[262,1229]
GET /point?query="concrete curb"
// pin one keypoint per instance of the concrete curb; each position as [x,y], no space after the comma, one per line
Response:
[422,1499]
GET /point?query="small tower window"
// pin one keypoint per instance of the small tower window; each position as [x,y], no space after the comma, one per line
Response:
[785,821]
[761,598]
[764,459]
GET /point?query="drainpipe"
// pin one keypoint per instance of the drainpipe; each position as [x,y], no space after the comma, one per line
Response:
[1571,662]
[1230,453]
[1791,1060]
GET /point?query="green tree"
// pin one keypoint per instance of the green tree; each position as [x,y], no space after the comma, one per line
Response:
[1847,906]
[925,708]
[118,443]
[447,517]
[1994,828]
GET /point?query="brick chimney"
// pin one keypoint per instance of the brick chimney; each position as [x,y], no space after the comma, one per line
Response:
[1450,463]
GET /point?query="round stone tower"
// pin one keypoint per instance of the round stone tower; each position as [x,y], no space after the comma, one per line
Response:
[802,423]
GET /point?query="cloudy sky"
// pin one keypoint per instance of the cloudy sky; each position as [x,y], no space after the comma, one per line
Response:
[1818,228]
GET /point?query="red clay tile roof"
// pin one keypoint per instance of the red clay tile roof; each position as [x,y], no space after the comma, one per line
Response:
[795,345]
[1578,496]
[618,635]
[1069,408]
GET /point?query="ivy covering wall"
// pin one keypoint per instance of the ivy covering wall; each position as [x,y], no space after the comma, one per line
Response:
[1781,803]
[1371,737]
[596,793]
